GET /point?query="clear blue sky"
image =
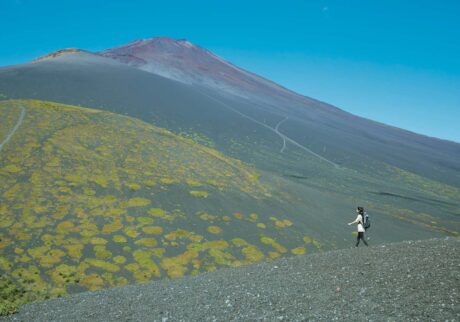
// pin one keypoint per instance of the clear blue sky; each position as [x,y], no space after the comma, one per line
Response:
[394,61]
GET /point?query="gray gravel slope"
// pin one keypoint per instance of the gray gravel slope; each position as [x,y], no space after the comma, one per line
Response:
[409,281]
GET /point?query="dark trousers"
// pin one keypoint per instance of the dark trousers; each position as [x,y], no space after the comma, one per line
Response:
[360,237]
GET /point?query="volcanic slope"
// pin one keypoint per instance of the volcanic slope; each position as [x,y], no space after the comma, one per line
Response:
[91,199]
[331,132]
[395,174]
[409,281]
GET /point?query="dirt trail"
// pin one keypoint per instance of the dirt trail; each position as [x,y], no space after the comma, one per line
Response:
[275,130]
[15,128]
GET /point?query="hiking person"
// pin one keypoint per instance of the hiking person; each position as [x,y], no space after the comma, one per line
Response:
[359,221]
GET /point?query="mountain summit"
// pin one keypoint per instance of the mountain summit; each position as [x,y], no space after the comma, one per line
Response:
[188,63]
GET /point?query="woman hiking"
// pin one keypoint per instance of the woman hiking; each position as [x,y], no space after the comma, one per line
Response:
[359,221]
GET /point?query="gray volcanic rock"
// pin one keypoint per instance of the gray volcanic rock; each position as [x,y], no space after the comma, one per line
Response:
[408,281]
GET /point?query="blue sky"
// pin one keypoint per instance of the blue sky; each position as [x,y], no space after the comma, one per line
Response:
[397,62]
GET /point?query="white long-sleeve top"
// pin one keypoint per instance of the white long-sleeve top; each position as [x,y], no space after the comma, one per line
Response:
[359,220]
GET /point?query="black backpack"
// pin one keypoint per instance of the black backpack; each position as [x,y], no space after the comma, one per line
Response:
[366,221]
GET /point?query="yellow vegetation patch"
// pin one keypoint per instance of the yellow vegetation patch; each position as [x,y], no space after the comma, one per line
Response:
[177,266]
[199,193]
[101,181]
[239,242]
[298,250]
[283,223]
[132,267]
[207,217]
[214,229]
[12,168]
[143,258]
[107,266]
[51,258]
[146,242]
[74,251]
[307,239]
[133,186]
[112,227]
[98,241]
[65,227]
[138,202]
[152,230]
[93,282]
[160,213]
[101,252]
[150,183]
[221,258]
[145,220]
[119,259]
[270,241]
[119,239]
[131,232]
[273,255]
[193,183]
[168,181]
[176,234]
[252,254]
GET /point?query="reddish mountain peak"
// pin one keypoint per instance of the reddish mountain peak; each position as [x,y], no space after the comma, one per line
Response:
[181,60]
[156,44]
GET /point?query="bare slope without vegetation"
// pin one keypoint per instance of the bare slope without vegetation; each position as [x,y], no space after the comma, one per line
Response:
[408,281]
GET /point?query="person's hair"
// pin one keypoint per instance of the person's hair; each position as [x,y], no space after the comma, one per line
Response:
[360,210]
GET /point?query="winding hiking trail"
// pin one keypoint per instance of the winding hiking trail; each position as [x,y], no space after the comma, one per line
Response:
[277,132]
[15,128]
[284,137]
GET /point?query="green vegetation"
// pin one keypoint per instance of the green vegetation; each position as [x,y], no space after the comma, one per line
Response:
[85,200]
[11,296]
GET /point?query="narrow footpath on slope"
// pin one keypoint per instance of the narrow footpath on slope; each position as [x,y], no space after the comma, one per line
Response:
[277,132]
[15,128]
[284,137]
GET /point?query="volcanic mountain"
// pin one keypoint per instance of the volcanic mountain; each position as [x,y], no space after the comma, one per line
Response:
[160,159]
[187,63]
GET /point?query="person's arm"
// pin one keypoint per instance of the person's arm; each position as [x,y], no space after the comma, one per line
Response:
[354,222]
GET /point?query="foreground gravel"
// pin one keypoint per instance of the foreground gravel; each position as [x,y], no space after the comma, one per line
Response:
[409,281]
